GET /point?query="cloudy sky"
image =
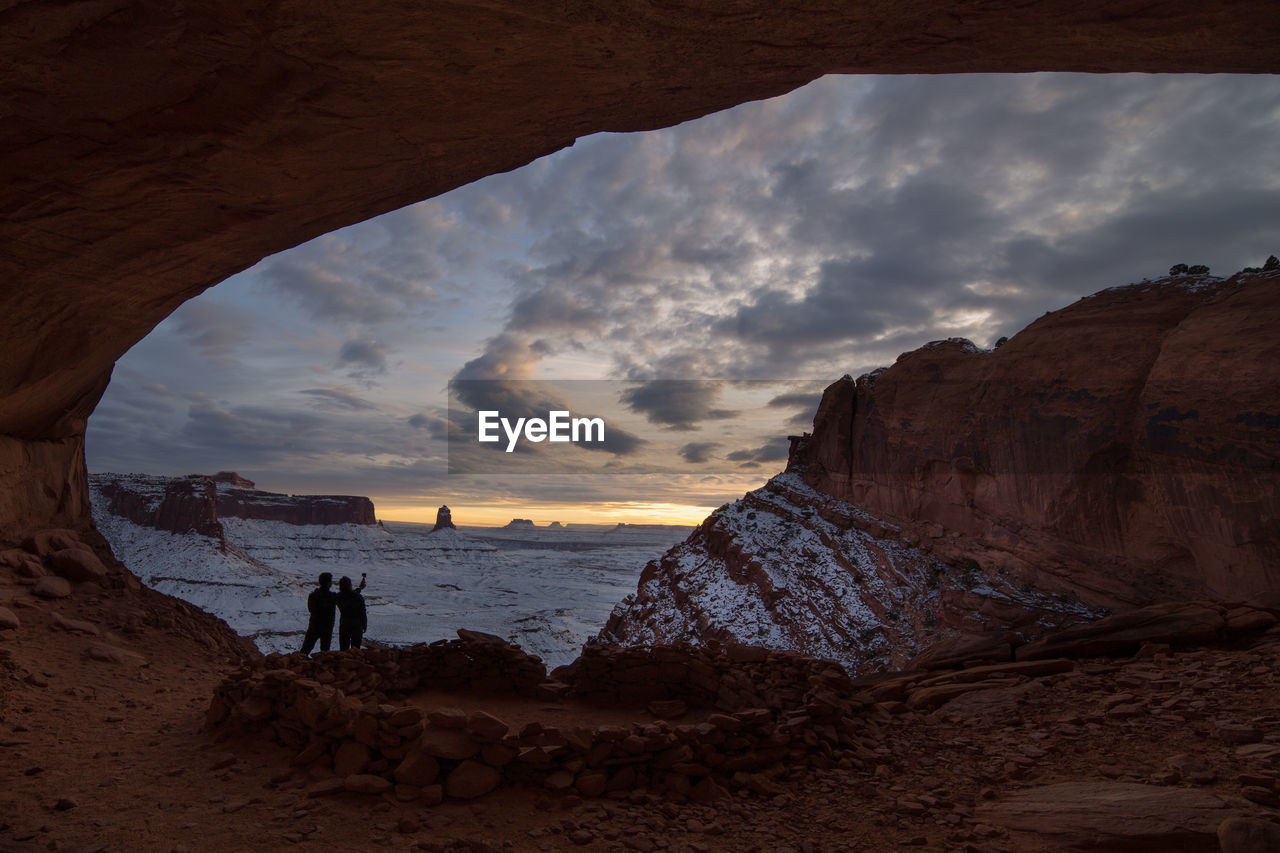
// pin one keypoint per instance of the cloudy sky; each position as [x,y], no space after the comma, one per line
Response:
[790,240]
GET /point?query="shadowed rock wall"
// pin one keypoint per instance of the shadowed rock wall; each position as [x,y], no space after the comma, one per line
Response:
[150,150]
[1124,448]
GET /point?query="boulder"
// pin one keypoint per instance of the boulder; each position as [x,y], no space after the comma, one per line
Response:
[78,626]
[351,758]
[327,788]
[452,744]
[1248,835]
[487,727]
[932,697]
[448,718]
[417,768]
[52,587]
[402,717]
[590,783]
[77,565]
[366,783]
[47,542]
[1174,623]
[472,779]
[9,619]
[957,651]
[1027,669]
[13,557]
[1114,816]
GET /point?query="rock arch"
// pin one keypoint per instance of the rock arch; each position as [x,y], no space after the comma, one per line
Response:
[151,150]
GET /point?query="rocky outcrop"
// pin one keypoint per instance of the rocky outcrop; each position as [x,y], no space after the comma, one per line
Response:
[1124,449]
[444,520]
[787,567]
[295,509]
[196,503]
[518,523]
[175,504]
[81,576]
[1120,451]
[1100,815]
[231,478]
[212,142]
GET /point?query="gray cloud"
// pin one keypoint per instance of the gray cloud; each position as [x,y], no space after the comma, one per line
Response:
[364,355]
[805,402]
[218,330]
[338,399]
[436,426]
[775,450]
[697,452]
[676,403]
[807,236]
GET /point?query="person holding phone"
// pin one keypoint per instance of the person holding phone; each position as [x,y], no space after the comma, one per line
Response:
[353,618]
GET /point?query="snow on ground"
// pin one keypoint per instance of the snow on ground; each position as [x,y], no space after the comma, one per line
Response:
[548,590]
[799,581]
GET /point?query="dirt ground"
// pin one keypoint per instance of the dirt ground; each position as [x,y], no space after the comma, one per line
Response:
[103,694]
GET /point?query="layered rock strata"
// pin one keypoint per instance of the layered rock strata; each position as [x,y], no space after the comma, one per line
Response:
[196,502]
[788,567]
[1125,449]
[1121,451]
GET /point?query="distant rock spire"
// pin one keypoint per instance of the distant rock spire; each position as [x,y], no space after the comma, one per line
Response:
[444,519]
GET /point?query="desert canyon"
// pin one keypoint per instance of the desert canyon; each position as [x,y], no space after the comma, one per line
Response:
[1063,554]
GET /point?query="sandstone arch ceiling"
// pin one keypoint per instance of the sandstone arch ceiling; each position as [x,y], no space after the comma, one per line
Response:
[150,150]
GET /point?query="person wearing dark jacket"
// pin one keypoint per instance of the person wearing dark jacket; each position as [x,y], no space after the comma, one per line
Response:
[320,604]
[352,617]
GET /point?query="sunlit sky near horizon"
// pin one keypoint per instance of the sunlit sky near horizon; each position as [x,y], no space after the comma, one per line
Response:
[797,239]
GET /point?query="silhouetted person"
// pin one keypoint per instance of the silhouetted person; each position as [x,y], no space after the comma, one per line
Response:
[352,617]
[320,604]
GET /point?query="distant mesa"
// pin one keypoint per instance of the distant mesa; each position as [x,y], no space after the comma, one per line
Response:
[519,523]
[444,520]
[555,525]
[196,502]
[622,525]
[231,478]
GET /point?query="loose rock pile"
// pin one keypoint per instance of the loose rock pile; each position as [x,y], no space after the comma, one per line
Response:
[727,678]
[776,710]
[50,575]
[755,717]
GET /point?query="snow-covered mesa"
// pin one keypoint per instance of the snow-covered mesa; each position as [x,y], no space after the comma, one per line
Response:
[548,590]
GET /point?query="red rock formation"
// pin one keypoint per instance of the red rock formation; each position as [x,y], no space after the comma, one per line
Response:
[787,567]
[295,509]
[195,502]
[1120,451]
[444,519]
[1124,448]
[176,504]
[233,479]
[169,147]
